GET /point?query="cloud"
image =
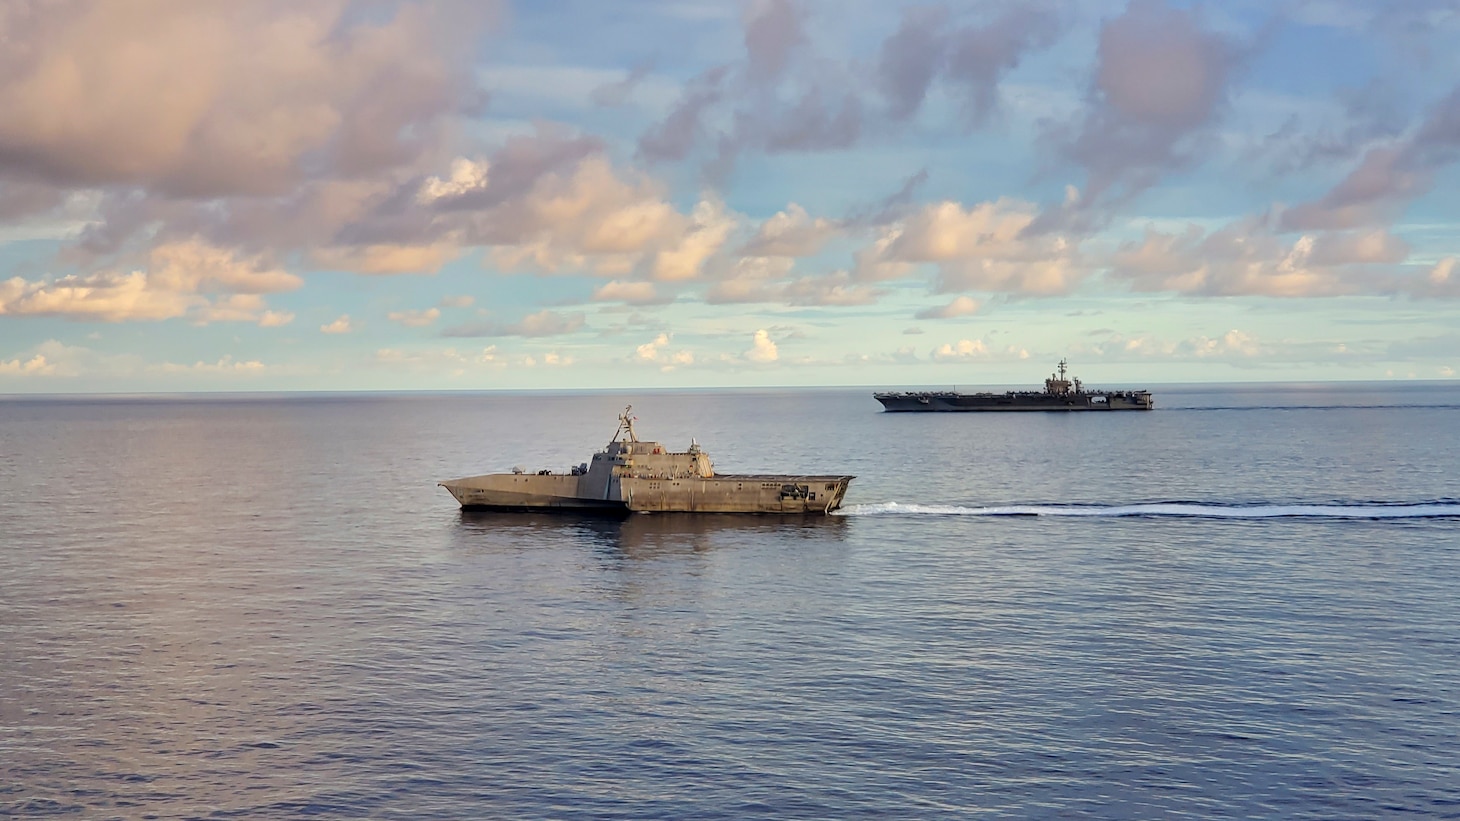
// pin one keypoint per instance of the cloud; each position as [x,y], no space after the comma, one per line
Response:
[457,301]
[980,56]
[762,349]
[1161,80]
[910,59]
[343,325]
[783,96]
[386,258]
[1245,258]
[1233,345]
[106,296]
[585,216]
[707,231]
[551,359]
[751,286]
[790,233]
[415,319]
[187,278]
[774,29]
[259,94]
[435,359]
[226,365]
[1442,280]
[631,293]
[962,349]
[976,349]
[961,306]
[1388,177]
[610,95]
[35,366]
[983,247]
[653,353]
[542,323]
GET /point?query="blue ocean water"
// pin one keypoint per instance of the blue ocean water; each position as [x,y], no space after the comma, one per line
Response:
[1243,604]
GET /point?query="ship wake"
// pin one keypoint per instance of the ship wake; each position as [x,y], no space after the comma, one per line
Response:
[1366,510]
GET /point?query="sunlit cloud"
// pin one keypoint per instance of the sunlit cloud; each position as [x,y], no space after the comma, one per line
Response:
[343,325]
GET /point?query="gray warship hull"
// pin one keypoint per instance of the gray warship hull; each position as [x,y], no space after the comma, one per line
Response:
[631,476]
[724,493]
[934,401]
[1060,394]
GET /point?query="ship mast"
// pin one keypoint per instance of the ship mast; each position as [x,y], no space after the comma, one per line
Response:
[625,426]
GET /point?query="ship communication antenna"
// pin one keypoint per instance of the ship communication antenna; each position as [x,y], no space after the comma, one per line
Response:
[626,426]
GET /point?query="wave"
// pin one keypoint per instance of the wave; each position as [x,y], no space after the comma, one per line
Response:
[1368,510]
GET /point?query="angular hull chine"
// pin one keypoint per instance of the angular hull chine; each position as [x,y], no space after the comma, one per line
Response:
[729,493]
[631,475]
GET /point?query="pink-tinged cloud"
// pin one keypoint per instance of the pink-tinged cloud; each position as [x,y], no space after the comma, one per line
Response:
[1161,81]
[342,325]
[540,324]
[1246,258]
[774,29]
[415,318]
[984,247]
[1388,177]
[185,279]
[630,293]
[961,306]
[791,233]
[208,99]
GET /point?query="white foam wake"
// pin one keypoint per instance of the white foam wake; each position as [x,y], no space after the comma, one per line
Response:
[1422,510]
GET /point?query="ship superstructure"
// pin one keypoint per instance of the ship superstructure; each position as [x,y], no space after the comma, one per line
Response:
[1062,392]
[630,475]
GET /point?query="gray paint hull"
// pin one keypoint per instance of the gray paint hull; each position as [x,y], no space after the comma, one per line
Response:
[950,401]
[724,493]
[632,476]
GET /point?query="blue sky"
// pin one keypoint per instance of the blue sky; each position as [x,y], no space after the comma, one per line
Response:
[458,196]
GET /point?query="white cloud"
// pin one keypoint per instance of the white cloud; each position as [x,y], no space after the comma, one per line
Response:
[653,353]
[185,278]
[762,349]
[339,326]
[962,349]
[225,365]
[462,301]
[275,319]
[467,175]
[35,366]
[709,227]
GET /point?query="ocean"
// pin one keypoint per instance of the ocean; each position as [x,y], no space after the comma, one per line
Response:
[1243,604]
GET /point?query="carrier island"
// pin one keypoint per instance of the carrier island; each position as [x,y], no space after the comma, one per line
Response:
[1061,393]
[631,476]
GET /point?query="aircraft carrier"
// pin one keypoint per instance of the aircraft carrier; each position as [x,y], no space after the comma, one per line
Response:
[632,476]
[1061,393]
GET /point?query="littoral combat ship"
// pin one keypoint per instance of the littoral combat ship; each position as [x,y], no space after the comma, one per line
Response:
[1059,394]
[630,476]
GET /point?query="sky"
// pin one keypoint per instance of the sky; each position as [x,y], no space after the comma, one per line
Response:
[572,194]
